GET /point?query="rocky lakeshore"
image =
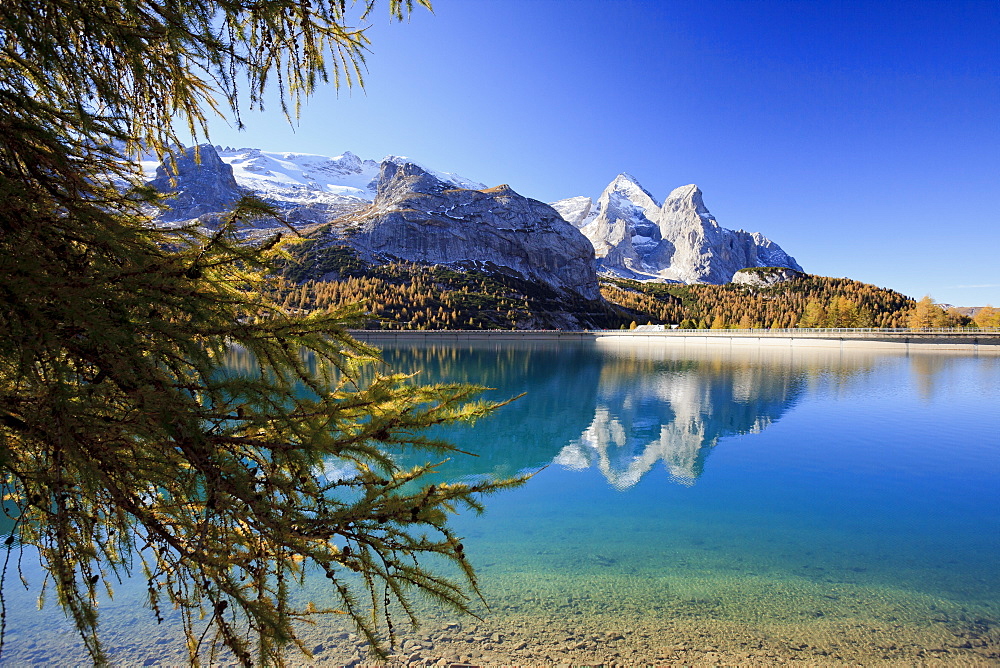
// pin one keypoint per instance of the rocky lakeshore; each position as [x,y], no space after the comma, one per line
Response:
[708,624]
[697,627]
[537,642]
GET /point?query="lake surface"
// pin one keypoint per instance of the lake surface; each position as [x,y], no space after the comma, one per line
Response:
[696,505]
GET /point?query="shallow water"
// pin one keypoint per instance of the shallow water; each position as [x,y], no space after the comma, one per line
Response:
[695,505]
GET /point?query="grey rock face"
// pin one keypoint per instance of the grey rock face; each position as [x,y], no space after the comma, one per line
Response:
[765,277]
[624,229]
[317,213]
[418,217]
[200,183]
[575,210]
[635,237]
[705,252]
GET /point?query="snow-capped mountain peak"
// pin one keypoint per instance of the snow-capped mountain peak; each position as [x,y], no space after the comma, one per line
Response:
[635,237]
[630,233]
[688,198]
[306,178]
[623,194]
[445,177]
[576,211]
[302,177]
[629,187]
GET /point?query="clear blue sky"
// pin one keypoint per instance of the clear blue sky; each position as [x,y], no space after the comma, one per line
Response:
[863,137]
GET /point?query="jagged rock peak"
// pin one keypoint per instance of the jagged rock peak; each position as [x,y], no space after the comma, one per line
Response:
[198,181]
[348,162]
[502,189]
[391,164]
[401,160]
[577,211]
[627,184]
[419,217]
[690,191]
[183,162]
[686,198]
[400,177]
[635,237]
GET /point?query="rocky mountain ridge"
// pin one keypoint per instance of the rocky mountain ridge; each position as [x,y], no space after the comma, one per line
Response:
[418,217]
[397,209]
[679,241]
[200,183]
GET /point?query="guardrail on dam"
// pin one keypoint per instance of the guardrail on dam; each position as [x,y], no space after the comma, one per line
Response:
[975,340]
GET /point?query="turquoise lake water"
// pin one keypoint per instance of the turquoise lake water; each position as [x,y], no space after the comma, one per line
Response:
[847,502]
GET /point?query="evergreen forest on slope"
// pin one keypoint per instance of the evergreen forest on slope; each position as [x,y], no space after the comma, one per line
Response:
[404,295]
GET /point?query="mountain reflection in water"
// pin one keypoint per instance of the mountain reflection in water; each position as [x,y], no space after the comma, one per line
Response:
[859,528]
[621,409]
[675,411]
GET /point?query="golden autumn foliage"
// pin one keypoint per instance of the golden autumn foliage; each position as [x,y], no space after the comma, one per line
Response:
[413,296]
[988,316]
[161,417]
[809,301]
[407,295]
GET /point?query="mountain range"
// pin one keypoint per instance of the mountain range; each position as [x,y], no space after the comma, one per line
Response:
[634,236]
[398,209]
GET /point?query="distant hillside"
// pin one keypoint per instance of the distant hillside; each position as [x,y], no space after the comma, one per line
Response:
[407,295]
[808,301]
